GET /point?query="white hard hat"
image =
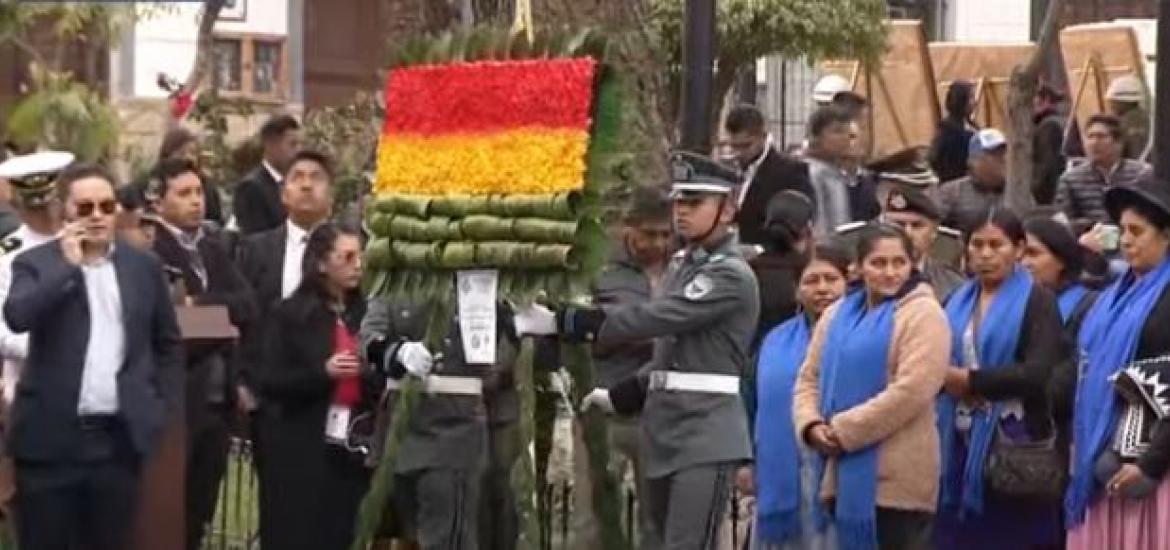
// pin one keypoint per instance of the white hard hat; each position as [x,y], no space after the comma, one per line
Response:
[1126,88]
[829,86]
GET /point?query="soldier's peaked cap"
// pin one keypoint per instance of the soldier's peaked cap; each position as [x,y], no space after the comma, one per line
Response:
[32,176]
[694,173]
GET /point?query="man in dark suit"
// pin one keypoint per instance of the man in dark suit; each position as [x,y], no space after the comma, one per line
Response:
[103,368]
[201,262]
[767,171]
[270,262]
[257,203]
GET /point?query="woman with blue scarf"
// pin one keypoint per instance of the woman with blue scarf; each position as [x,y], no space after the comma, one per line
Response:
[783,467]
[1119,496]
[1056,260]
[864,400]
[1007,339]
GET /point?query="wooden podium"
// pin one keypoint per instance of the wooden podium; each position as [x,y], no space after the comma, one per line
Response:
[161,521]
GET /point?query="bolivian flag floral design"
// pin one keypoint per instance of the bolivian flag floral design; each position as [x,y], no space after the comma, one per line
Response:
[494,152]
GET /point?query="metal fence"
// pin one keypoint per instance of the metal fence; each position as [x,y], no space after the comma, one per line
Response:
[237,517]
[236,525]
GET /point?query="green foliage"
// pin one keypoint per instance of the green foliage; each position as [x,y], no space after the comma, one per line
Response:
[747,30]
[212,111]
[750,29]
[62,114]
[349,135]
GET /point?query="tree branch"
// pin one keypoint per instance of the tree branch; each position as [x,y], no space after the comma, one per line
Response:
[204,43]
[1024,82]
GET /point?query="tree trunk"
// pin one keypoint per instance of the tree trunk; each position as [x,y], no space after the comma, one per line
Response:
[1025,80]
[725,79]
[204,42]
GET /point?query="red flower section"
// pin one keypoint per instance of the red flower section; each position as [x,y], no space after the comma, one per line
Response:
[488,96]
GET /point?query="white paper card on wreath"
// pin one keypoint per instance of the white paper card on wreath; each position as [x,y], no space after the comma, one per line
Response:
[477,315]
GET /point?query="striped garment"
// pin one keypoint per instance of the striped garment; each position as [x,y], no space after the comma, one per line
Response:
[1081,191]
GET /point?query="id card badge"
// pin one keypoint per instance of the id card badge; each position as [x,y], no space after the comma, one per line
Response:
[337,424]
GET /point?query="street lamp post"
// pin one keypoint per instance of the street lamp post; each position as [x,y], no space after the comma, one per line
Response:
[698,64]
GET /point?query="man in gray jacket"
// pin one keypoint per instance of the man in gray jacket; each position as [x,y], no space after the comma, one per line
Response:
[694,431]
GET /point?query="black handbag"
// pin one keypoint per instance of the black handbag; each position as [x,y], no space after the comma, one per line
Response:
[1032,470]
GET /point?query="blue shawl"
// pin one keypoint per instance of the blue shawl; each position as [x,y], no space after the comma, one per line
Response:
[777,454]
[1108,341]
[853,370]
[1069,299]
[995,346]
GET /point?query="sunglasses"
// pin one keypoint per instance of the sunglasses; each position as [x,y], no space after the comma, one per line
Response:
[107,207]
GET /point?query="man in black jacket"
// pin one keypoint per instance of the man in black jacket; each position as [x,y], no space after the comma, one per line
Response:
[257,201]
[201,262]
[767,171]
[271,264]
[102,373]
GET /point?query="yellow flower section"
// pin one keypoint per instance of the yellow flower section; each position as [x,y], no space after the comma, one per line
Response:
[526,161]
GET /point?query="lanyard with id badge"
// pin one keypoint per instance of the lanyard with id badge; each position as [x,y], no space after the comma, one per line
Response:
[346,394]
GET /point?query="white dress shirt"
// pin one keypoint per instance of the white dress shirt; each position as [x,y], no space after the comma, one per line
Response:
[106,349]
[749,173]
[272,171]
[14,346]
[294,253]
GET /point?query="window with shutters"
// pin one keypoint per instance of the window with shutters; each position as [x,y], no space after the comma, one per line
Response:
[253,66]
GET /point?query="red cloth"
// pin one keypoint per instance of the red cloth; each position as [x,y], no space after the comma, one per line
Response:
[348,391]
[181,103]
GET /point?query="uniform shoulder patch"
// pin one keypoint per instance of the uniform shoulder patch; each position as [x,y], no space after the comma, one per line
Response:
[699,287]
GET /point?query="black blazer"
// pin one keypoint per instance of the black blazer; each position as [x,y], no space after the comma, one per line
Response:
[298,341]
[260,258]
[777,173]
[1042,347]
[257,202]
[48,300]
[225,286]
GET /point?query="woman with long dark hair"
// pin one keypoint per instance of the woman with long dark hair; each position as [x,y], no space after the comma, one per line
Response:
[315,395]
[1007,339]
[948,152]
[864,400]
[1055,260]
[781,477]
[1119,496]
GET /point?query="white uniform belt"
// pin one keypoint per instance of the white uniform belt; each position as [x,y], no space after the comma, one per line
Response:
[662,380]
[447,385]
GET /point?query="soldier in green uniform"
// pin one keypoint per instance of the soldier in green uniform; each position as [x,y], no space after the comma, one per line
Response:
[915,213]
[444,456]
[694,432]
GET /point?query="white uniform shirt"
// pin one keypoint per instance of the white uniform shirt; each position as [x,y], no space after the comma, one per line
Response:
[14,346]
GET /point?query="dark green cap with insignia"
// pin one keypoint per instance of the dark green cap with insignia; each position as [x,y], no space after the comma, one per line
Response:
[33,176]
[697,174]
[906,168]
[909,199]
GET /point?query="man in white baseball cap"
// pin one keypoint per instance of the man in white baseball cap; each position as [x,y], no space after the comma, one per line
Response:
[985,182]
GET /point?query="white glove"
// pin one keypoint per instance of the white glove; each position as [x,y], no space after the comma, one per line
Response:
[535,319]
[415,358]
[599,398]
